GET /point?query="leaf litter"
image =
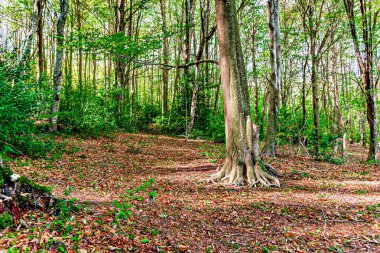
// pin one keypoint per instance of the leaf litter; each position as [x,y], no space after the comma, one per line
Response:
[321,207]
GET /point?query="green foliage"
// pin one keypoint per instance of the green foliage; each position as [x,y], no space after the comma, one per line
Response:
[18,133]
[88,113]
[142,119]
[5,220]
[5,175]
[291,130]
[64,209]
[130,200]
[210,128]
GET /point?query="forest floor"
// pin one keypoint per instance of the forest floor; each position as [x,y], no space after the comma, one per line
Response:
[320,207]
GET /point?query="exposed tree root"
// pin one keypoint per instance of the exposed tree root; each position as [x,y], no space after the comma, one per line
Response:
[246,175]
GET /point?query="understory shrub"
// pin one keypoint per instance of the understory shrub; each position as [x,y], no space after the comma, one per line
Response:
[18,117]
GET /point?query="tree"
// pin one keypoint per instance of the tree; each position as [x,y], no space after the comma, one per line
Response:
[57,79]
[165,55]
[275,78]
[204,39]
[120,64]
[243,163]
[40,37]
[313,15]
[368,18]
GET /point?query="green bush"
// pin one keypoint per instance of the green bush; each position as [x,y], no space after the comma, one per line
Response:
[89,113]
[5,220]
[18,114]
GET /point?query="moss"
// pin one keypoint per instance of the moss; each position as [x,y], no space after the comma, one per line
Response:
[5,176]
[5,220]
[37,187]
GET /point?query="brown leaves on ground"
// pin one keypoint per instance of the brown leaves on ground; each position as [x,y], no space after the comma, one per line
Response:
[320,206]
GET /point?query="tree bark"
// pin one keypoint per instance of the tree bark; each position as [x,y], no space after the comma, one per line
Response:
[57,79]
[80,50]
[204,38]
[254,70]
[275,80]
[29,38]
[366,66]
[40,37]
[120,64]
[242,164]
[340,145]
[165,55]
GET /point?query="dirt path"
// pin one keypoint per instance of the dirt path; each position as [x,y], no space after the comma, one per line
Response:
[320,206]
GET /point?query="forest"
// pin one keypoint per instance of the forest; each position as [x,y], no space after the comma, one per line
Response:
[189,126]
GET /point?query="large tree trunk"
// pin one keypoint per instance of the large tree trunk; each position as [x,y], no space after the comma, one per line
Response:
[275,60]
[57,79]
[242,164]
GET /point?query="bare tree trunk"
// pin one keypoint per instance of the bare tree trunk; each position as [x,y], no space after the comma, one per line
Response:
[57,79]
[165,55]
[120,65]
[94,69]
[254,70]
[363,129]
[366,65]
[275,80]
[242,164]
[304,91]
[204,38]
[338,117]
[187,43]
[29,38]
[80,50]
[216,102]
[315,97]
[40,37]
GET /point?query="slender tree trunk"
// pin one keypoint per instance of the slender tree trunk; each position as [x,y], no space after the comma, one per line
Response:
[204,38]
[29,39]
[254,70]
[187,43]
[94,69]
[40,37]
[57,79]
[304,92]
[363,129]
[165,55]
[338,117]
[80,50]
[275,80]
[242,162]
[120,65]
[366,65]
[315,97]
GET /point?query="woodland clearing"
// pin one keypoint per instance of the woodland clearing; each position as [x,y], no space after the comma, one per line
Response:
[320,207]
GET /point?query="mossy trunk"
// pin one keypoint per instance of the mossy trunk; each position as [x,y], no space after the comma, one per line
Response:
[19,194]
